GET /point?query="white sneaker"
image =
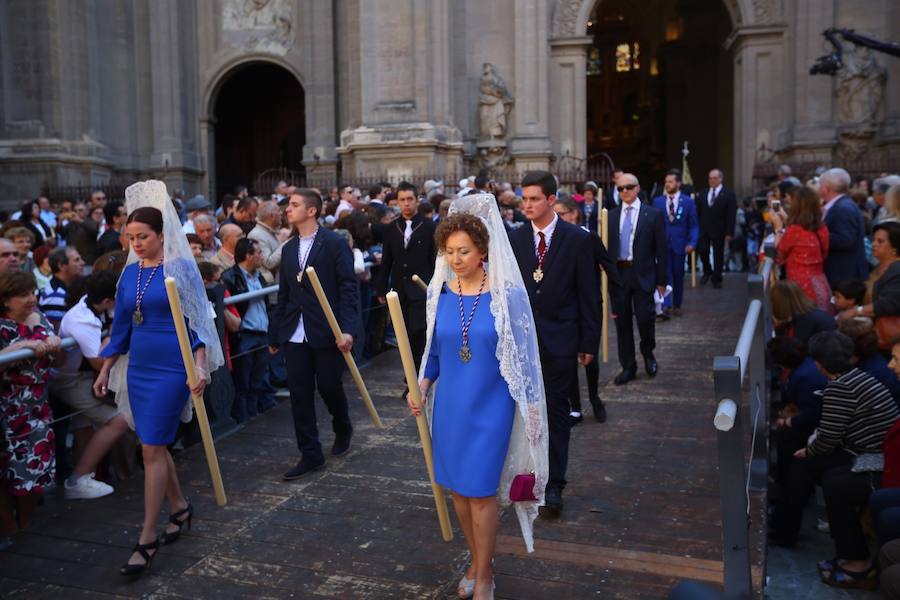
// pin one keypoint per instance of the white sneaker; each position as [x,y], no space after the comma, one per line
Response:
[87,488]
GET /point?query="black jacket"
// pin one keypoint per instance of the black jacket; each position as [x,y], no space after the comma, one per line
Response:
[886,292]
[566,302]
[236,283]
[333,261]
[717,221]
[399,264]
[649,251]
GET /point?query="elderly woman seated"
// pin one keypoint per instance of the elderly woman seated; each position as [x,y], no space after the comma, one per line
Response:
[842,457]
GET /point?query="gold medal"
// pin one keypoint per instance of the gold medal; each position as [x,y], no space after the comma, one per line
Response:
[299,276]
[538,275]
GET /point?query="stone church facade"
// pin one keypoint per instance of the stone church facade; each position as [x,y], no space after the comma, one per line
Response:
[100,91]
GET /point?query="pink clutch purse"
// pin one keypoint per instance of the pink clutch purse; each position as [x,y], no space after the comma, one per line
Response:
[522,488]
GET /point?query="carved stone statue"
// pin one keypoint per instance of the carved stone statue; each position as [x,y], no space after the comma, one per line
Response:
[258,25]
[494,103]
[860,87]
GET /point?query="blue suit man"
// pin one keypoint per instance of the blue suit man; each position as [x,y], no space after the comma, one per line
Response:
[846,258]
[682,233]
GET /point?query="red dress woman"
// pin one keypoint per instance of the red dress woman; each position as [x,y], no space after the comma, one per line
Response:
[803,253]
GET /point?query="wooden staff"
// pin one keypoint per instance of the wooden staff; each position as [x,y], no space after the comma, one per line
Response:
[184,344]
[418,281]
[412,381]
[604,283]
[339,337]
[693,268]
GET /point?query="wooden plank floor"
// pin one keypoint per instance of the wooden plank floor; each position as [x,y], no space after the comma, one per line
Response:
[641,507]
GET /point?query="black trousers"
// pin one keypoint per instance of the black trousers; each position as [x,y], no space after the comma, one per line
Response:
[845,493]
[592,374]
[308,370]
[558,374]
[634,303]
[414,317]
[718,247]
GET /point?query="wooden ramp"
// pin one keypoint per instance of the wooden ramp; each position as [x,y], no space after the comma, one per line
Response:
[641,508]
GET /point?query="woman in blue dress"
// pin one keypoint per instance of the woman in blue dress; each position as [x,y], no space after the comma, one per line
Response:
[157,382]
[474,347]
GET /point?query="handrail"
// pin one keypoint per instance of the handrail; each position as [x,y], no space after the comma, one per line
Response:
[745,341]
[26,353]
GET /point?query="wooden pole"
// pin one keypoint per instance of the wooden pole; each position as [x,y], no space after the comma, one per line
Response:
[693,268]
[604,283]
[339,337]
[184,344]
[418,281]
[412,381]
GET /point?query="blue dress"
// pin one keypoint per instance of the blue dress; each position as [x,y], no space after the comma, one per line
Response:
[157,381]
[473,410]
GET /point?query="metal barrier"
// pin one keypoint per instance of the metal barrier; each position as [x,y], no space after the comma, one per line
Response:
[24,354]
[736,478]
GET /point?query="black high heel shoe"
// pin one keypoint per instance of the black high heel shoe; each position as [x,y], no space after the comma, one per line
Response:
[130,570]
[175,519]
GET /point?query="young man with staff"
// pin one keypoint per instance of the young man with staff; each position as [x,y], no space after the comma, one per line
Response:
[299,325]
[556,260]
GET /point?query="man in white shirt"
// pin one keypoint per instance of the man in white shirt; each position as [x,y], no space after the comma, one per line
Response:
[196,206]
[346,203]
[73,379]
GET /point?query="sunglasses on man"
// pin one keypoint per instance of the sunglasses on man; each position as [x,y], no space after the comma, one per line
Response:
[627,186]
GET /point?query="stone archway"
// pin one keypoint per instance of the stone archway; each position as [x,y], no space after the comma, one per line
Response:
[256,120]
[758,51]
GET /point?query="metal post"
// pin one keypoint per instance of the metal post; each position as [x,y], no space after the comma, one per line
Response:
[732,482]
[759,404]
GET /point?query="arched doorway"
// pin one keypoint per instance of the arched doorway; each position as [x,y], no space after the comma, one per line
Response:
[260,123]
[658,74]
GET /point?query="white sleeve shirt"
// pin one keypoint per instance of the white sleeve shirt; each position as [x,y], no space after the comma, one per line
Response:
[635,212]
[305,247]
[547,231]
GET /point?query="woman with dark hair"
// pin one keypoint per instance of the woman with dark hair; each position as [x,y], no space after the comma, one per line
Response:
[794,314]
[31,220]
[157,389]
[857,412]
[886,276]
[866,356]
[803,245]
[27,453]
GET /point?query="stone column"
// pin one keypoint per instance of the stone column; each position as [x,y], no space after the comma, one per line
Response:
[320,152]
[404,91]
[568,102]
[530,144]
[759,104]
[172,54]
[810,127]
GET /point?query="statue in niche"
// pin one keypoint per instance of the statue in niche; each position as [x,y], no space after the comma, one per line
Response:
[860,87]
[494,103]
[258,25]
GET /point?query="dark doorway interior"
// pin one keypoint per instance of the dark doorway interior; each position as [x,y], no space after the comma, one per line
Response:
[658,75]
[260,124]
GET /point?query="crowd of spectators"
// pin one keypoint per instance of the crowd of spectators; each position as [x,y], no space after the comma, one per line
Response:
[836,311]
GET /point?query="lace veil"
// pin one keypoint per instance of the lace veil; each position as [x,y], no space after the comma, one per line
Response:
[517,353]
[179,264]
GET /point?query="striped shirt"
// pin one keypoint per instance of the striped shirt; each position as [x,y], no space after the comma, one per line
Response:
[857,412]
[52,301]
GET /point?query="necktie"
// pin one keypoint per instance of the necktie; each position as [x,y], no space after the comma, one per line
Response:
[407,234]
[712,196]
[671,209]
[542,244]
[625,243]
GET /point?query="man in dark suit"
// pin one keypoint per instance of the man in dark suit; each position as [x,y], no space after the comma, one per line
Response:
[716,211]
[637,238]
[557,264]
[298,324]
[682,233]
[408,250]
[846,258]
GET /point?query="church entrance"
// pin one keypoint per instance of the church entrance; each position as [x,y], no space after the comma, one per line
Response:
[658,74]
[259,124]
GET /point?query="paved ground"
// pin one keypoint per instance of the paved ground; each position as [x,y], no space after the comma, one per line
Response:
[641,509]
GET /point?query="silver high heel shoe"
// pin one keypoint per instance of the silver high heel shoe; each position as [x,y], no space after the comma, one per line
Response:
[466,588]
